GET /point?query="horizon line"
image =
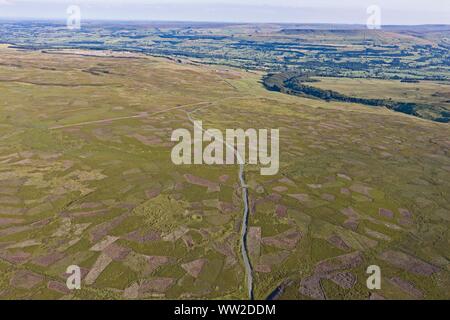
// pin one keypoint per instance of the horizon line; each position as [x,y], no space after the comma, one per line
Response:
[54,19]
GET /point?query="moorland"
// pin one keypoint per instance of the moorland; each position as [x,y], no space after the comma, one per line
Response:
[86,179]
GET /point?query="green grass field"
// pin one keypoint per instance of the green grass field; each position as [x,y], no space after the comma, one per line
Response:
[86,179]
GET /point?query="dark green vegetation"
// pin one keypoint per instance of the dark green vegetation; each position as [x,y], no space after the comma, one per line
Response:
[327,50]
[293,83]
[407,54]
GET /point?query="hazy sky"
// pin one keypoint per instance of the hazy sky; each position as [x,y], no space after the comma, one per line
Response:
[302,11]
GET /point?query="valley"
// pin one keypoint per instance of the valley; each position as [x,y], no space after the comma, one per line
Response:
[86,176]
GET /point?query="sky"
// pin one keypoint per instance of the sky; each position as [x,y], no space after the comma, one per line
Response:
[298,11]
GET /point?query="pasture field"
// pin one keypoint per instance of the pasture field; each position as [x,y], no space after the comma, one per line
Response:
[428,92]
[396,52]
[435,94]
[86,179]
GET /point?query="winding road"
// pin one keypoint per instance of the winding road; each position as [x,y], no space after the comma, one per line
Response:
[244,232]
[242,182]
[244,227]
